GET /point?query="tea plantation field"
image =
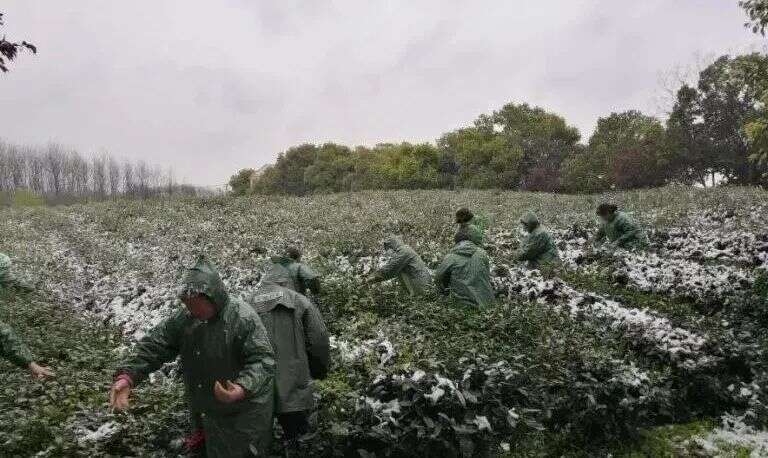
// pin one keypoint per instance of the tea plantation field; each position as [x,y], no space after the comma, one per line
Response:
[661,353]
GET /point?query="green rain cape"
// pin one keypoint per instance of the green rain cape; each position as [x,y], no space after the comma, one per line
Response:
[299,338]
[465,273]
[623,232]
[537,248]
[406,265]
[233,345]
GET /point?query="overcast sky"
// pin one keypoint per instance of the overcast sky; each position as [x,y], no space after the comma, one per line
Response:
[209,87]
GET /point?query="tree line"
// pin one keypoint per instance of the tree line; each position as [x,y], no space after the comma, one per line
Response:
[60,175]
[716,132]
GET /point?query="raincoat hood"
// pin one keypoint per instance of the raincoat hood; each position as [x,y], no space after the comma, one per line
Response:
[278,272]
[393,242]
[203,278]
[465,248]
[530,221]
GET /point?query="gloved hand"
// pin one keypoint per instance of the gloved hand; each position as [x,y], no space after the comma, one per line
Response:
[229,392]
[40,372]
[118,395]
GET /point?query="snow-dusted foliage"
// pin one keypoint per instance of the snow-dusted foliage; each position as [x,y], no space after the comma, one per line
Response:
[646,328]
[587,365]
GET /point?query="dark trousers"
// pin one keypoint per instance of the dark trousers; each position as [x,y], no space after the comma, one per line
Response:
[294,424]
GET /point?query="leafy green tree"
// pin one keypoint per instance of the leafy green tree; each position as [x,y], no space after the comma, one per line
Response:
[756,130]
[584,172]
[757,10]
[544,138]
[330,170]
[503,148]
[241,182]
[622,145]
[287,175]
[731,91]
[404,166]
[9,49]
[448,168]
[268,181]
[694,161]
[709,124]
[487,159]
[757,136]
[640,167]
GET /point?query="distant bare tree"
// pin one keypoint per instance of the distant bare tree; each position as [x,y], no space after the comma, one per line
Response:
[17,165]
[156,180]
[170,182]
[82,173]
[129,185]
[54,166]
[36,171]
[142,178]
[67,176]
[99,174]
[4,167]
[114,176]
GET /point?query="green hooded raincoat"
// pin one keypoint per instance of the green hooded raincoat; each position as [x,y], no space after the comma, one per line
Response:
[299,338]
[5,269]
[302,277]
[406,265]
[465,273]
[12,348]
[623,232]
[537,248]
[474,231]
[233,345]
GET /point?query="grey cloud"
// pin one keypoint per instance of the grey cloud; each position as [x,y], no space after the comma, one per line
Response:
[211,86]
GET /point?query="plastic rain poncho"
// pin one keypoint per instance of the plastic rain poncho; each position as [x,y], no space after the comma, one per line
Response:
[622,232]
[406,265]
[465,274]
[537,248]
[233,345]
[299,338]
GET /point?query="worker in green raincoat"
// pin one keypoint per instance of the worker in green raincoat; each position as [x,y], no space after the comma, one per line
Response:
[465,273]
[11,347]
[470,225]
[619,229]
[5,269]
[227,365]
[14,350]
[406,265]
[537,248]
[303,279]
[7,279]
[301,343]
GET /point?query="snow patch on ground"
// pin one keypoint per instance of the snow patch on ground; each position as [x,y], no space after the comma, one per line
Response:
[643,326]
[734,432]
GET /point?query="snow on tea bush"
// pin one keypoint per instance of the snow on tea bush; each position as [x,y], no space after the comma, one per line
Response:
[120,262]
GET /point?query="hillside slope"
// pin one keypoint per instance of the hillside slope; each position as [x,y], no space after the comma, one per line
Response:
[590,359]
